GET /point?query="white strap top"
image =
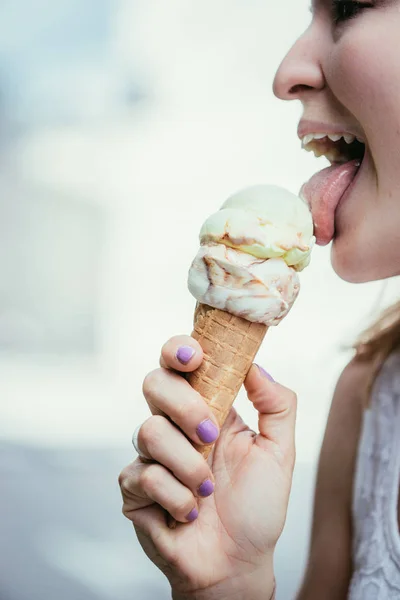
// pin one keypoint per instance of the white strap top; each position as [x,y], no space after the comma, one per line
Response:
[376,537]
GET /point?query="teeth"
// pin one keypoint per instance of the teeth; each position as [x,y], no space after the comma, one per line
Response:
[334,137]
[322,148]
[307,139]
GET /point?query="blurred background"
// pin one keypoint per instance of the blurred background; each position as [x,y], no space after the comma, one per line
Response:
[123,125]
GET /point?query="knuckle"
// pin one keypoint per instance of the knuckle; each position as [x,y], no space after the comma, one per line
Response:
[126,510]
[121,477]
[151,432]
[145,478]
[129,511]
[152,383]
[151,478]
[125,483]
[287,395]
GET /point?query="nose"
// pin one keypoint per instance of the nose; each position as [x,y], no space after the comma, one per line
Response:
[301,70]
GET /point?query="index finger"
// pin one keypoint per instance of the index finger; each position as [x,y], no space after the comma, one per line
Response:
[181,353]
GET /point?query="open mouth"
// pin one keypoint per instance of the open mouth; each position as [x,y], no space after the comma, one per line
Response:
[325,190]
[337,148]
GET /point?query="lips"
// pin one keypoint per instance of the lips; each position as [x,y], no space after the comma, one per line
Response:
[323,193]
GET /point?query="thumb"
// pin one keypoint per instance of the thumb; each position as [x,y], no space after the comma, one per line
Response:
[276,406]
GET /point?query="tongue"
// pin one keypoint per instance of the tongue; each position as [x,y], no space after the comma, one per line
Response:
[323,193]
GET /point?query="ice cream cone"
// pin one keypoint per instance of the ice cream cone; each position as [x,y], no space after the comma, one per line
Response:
[230,344]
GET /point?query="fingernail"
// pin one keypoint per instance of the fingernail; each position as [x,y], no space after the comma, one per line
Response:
[265,374]
[185,354]
[207,431]
[206,488]
[192,516]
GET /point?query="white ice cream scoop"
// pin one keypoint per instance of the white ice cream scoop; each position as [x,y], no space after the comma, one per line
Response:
[250,253]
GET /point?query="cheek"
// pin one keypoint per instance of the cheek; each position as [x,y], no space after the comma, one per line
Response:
[363,70]
[363,73]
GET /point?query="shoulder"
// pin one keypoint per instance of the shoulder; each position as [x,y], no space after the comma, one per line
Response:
[353,377]
[349,397]
[362,377]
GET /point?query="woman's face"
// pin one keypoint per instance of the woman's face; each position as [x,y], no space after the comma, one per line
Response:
[345,69]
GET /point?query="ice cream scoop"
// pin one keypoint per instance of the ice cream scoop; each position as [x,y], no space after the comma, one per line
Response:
[250,253]
[265,221]
[259,290]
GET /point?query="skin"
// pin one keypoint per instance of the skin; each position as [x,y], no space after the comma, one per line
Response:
[329,69]
[345,75]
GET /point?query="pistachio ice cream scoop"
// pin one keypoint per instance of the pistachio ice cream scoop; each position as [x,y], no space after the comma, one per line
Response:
[264,221]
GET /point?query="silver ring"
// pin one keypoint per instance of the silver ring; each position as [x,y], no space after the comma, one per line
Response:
[136,444]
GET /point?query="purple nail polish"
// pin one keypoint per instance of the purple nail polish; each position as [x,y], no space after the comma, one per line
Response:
[206,488]
[185,354]
[207,431]
[192,516]
[265,374]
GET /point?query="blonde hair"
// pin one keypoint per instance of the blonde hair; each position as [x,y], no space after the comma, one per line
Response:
[377,342]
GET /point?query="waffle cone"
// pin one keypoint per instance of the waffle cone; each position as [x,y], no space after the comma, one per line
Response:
[229,344]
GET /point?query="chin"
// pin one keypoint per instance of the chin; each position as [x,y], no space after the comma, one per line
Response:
[349,266]
[354,267]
